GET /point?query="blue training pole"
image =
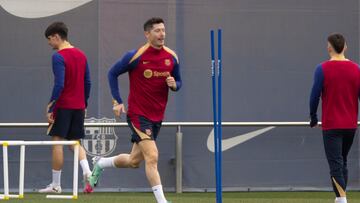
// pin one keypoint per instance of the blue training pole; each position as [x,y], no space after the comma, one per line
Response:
[219,128]
[213,72]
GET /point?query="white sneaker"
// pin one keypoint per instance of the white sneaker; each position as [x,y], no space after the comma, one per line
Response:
[340,200]
[51,189]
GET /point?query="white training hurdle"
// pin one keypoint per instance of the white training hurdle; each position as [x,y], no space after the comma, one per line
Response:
[22,144]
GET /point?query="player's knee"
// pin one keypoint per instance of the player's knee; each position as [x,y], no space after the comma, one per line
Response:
[134,164]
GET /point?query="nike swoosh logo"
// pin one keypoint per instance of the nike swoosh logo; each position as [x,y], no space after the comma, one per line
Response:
[39,8]
[234,141]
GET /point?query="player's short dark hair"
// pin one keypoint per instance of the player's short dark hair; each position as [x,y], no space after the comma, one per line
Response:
[148,25]
[337,41]
[57,28]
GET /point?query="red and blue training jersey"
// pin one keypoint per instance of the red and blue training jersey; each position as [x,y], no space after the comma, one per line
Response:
[71,80]
[338,84]
[148,69]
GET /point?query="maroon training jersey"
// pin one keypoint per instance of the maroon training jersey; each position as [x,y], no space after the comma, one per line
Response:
[72,79]
[148,69]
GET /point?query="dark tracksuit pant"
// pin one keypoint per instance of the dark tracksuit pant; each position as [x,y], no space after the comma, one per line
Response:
[337,143]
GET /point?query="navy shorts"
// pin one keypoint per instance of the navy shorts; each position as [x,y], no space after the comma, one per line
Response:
[68,124]
[143,128]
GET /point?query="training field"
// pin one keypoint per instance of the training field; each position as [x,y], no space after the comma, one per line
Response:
[238,197]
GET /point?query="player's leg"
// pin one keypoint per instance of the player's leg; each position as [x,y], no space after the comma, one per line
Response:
[83,159]
[124,160]
[151,155]
[144,135]
[85,168]
[348,139]
[77,132]
[147,132]
[58,131]
[131,160]
[333,148]
[57,164]
[57,161]
[120,161]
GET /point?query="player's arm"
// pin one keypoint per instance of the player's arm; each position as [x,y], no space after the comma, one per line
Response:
[315,95]
[122,66]
[174,81]
[58,66]
[87,84]
[359,84]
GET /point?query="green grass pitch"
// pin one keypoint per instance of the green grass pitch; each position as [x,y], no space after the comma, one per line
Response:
[228,197]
